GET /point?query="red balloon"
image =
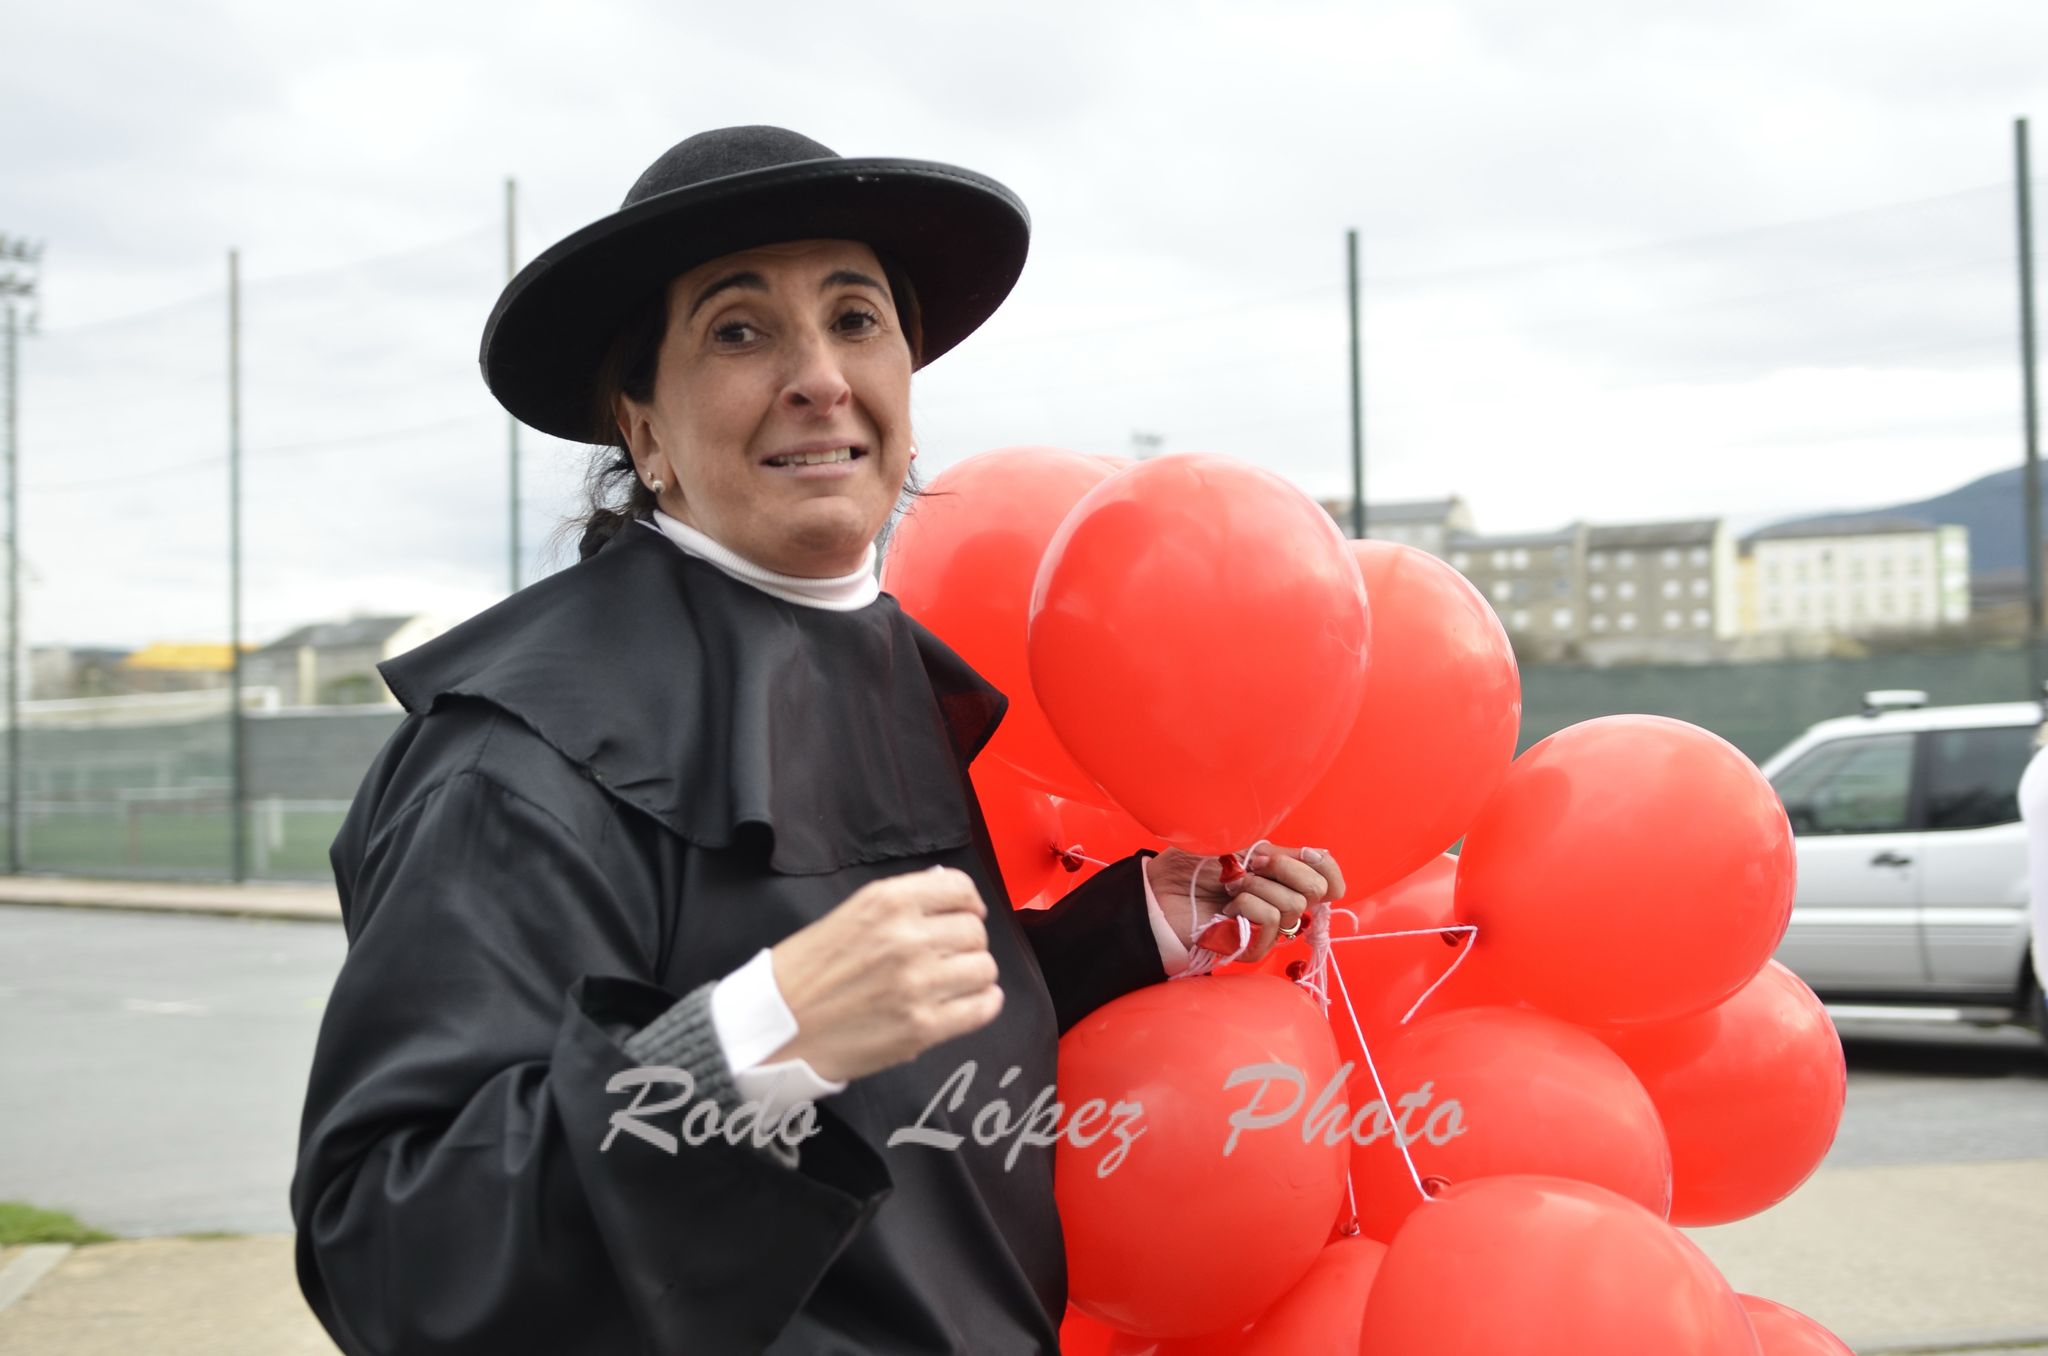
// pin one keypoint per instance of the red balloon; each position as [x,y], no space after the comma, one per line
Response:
[1542,1266]
[1629,869]
[1787,1332]
[1022,823]
[1081,1335]
[962,561]
[1198,640]
[1324,1312]
[1486,1092]
[1102,832]
[1750,1094]
[1385,975]
[1219,1205]
[1435,732]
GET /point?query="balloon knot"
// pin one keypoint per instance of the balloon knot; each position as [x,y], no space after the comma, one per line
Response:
[1233,869]
[1069,857]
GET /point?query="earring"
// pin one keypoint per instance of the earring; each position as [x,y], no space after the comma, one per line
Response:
[913,451]
[655,484]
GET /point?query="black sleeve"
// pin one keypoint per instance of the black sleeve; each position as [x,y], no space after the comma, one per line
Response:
[1096,944]
[460,1188]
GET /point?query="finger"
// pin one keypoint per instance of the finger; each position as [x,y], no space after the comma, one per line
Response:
[958,1016]
[944,889]
[1263,915]
[956,933]
[1286,867]
[960,976]
[1325,863]
[1289,904]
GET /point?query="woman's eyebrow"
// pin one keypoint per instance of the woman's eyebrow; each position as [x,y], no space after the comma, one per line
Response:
[847,277]
[751,281]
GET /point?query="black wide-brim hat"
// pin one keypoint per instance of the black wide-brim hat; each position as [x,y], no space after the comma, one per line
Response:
[960,237]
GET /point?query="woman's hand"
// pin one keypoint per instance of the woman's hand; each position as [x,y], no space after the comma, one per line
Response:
[1277,889]
[899,967]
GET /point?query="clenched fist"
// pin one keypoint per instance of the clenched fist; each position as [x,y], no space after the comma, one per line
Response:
[899,967]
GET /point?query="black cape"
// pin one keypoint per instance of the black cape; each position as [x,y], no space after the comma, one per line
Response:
[610,788]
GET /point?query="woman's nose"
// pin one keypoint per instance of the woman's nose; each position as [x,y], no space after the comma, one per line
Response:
[816,381]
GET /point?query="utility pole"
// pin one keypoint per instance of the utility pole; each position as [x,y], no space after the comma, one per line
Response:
[20,262]
[2033,473]
[1357,392]
[238,793]
[512,420]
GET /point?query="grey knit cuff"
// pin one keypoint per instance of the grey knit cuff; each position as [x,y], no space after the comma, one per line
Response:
[685,1038]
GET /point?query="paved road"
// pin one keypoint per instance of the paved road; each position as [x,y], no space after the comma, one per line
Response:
[152,1069]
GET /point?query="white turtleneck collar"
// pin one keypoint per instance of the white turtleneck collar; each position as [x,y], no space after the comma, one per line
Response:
[846,593]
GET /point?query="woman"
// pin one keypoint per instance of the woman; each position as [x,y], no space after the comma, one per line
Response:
[687,826]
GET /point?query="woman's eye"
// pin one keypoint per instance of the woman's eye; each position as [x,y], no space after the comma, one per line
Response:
[733,332]
[859,321]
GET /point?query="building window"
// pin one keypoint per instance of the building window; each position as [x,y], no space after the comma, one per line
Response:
[1913,564]
[1700,588]
[1596,560]
[1624,560]
[1626,621]
[1597,592]
[1672,588]
[1884,567]
[1699,557]
[1672,621]
[1503,590]
[1625,590]
[1671,557]
[1432,537]
[1702,618]
[1562,619]
[1500,560]
[1460,560]
[1560,587]
[1598,622]
[1520,620]
[1519,559]
[1560,556]
[1771,573]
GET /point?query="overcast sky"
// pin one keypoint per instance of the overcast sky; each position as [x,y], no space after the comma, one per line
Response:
[1623,260]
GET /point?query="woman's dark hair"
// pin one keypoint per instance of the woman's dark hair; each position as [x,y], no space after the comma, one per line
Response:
[613,491]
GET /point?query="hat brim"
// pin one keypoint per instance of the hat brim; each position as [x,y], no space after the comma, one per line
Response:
[959,236]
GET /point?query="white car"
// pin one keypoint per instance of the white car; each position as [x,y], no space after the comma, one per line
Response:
[1912,858]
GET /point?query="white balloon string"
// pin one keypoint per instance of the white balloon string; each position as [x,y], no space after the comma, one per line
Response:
[1386,1105]
[1471,932]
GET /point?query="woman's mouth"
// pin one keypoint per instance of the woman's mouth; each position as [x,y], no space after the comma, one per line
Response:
[827,458]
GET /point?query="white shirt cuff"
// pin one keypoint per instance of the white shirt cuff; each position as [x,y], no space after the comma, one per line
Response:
[753,1022]
[1172,955]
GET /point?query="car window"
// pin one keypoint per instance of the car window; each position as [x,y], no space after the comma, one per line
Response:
[1860,785]
[1973,776]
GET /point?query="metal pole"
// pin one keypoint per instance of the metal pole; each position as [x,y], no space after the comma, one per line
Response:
[14,779]
[2033,474]
[1357,394]
[238,796]
[512,421]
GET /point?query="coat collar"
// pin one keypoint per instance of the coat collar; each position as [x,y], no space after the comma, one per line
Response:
[711,706]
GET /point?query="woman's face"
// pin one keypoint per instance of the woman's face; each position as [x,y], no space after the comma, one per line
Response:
[779,422]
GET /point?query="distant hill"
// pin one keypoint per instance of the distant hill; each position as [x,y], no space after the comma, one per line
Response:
[1991,507]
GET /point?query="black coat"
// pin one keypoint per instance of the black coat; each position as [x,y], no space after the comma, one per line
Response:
[612,787]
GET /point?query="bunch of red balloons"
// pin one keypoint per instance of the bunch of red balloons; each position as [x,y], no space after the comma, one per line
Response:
[1195,656]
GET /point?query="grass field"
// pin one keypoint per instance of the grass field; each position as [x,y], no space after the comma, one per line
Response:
[180,841]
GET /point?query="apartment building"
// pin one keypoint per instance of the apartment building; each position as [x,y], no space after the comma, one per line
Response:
[1533,579]
[1660,591]
[1427,524]
[1857,576]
